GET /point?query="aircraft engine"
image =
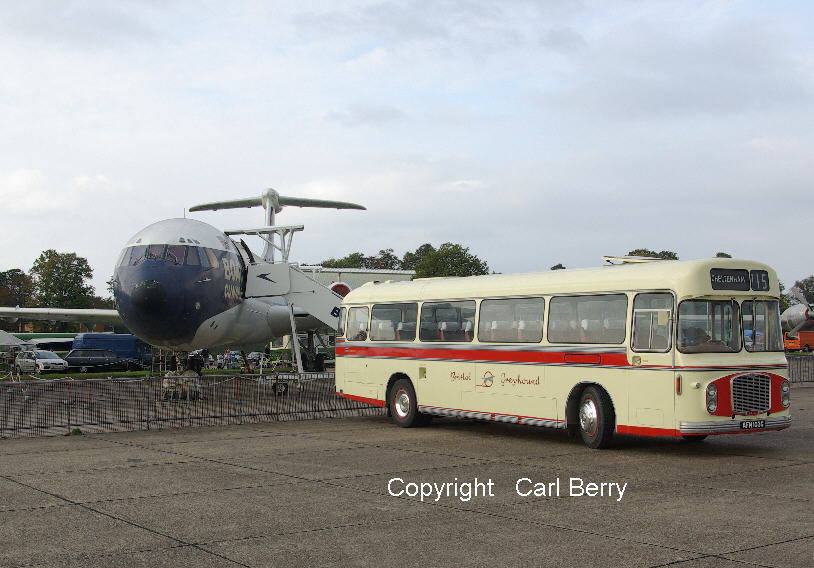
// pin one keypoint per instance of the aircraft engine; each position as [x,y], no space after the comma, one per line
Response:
[797,317]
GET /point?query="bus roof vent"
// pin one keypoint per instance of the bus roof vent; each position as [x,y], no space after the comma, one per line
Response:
[615,260]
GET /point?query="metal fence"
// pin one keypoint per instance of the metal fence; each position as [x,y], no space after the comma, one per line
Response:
[59,406]
[801,368]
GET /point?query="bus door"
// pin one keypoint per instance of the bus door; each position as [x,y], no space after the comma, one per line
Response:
[652,384]
[354,365]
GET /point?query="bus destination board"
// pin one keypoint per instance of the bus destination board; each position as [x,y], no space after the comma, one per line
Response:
[739,279]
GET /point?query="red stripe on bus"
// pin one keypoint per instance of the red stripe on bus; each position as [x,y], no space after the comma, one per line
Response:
[612,359]
[373,401]
[646,431]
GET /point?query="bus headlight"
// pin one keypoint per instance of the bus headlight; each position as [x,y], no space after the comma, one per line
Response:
[712,398]
[785,393]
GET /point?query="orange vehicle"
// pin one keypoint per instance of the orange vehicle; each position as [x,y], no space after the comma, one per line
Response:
[803,341]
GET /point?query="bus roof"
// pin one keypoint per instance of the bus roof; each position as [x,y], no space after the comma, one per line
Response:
[688,278]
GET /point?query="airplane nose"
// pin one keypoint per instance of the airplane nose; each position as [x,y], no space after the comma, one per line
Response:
[149,297]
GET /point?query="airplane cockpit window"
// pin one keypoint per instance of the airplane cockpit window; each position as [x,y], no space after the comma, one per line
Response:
[137,255]
[124,259]
[204,258]
[175,253]
[213,259]
[155,252]
[192,257]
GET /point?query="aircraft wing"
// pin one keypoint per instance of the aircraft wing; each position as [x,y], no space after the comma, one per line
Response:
[111,317]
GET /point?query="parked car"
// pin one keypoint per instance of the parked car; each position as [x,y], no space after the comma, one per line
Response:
[98,360]
[39,361]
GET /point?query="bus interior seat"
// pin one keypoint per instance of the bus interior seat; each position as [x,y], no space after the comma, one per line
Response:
[385,331]
[405,331]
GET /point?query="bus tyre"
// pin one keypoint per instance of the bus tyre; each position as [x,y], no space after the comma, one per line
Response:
[596,418]
[402,403]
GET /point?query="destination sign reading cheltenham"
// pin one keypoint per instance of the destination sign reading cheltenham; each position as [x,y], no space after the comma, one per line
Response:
[741,280]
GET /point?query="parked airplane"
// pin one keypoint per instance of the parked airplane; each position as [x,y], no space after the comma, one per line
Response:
[799,317]
[183,285]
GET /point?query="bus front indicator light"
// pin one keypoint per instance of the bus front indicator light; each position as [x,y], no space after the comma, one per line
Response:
[785,394]
[712,398]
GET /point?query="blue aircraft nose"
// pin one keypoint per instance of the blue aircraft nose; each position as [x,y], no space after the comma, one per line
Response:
[149,297]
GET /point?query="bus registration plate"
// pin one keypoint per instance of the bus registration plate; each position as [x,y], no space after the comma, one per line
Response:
[752,424]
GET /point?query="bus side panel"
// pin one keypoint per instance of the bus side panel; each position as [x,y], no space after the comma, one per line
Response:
[514,390]
[652,392]
[442,383]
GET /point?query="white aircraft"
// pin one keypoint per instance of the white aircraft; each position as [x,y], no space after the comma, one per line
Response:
[183,285]
[799,317]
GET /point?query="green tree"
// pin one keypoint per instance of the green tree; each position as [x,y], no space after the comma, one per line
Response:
[558,266]
[450,259]
[16,288]
[60,281]
[385,260]
[353,260]
[411,259]
[722,255]
[785,300]
[665,254]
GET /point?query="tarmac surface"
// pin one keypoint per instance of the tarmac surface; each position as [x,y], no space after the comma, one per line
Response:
[315,493]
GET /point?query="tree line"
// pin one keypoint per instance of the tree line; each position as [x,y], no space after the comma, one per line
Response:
[449,259]
[56,280]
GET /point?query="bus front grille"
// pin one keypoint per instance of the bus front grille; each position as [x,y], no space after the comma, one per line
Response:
[750,394]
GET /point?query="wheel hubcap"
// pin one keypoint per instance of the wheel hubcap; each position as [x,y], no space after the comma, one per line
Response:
[588,417]
[402,404]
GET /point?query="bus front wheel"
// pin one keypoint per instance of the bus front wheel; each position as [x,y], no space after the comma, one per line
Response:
[596,418]
[402,402]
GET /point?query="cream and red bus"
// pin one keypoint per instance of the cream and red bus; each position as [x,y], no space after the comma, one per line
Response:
[666,348]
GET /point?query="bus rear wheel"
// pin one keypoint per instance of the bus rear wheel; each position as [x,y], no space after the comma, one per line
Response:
[597,419]
[402,403]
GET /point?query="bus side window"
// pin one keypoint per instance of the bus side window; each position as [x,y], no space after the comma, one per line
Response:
[652,322]
[357,324]
[587,319]
[512,320]
[340,330]
[447,321]
[393,322]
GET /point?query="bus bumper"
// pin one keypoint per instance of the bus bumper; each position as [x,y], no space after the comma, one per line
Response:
[735,426]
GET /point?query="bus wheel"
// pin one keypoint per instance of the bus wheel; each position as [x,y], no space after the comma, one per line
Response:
[403,408]
[806,349]
[694,439]
[596,418]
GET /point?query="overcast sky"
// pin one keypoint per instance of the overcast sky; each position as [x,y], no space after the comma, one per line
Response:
[533,133]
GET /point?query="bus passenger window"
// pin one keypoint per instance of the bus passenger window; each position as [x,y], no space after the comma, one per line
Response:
[357,324]
[512,320]
[652,322]
[587,319]
[447,321]
[393,322]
